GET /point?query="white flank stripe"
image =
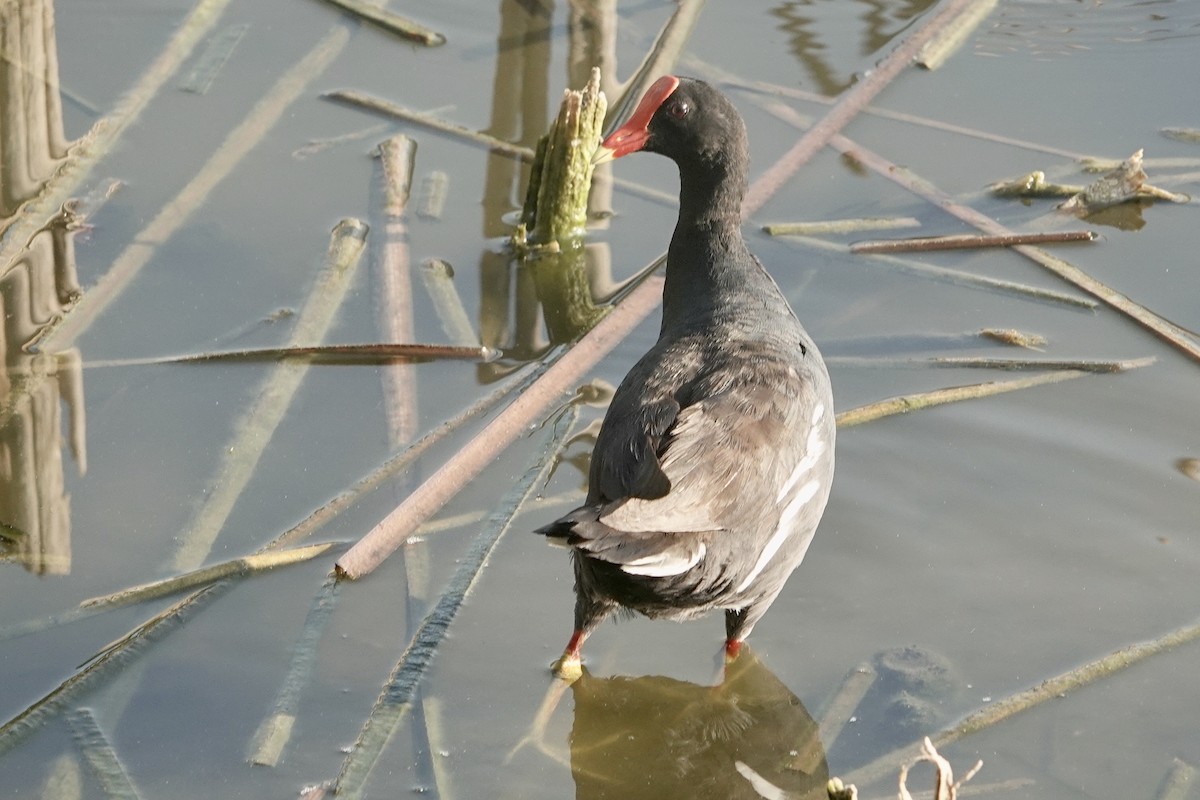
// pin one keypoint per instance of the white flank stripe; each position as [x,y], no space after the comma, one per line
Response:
[807,492]
[663,565]
[813,448]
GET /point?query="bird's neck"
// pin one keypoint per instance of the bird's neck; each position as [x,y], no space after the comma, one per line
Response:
[709,267]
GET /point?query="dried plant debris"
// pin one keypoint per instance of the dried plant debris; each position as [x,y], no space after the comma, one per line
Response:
[946,787]
[1030,341]
[1033,185]
[1126,182]
[1122,184]
[1189,467]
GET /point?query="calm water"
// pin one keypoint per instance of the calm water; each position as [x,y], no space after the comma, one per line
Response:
[1004,540]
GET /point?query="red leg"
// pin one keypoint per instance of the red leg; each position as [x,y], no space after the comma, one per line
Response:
[570,665]
[732,648]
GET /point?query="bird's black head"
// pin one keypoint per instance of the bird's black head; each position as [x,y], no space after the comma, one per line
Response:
[684,119]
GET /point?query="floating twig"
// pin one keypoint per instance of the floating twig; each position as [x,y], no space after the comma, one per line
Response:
[1049,689]
[275,731]
[101,757]
[938,50]
[1010,364]
[253,431]
[877,346]
[391,22]
[966,241]
[177,212]
[353,97]
[913,402]
[834,226]
[246,565]
[401,687]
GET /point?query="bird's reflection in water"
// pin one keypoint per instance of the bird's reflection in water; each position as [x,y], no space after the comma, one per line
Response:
[657,737]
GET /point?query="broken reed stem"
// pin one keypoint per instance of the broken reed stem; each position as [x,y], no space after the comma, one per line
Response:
[178,211]
[397,696]
[254,430]
[938,50]
[246,565]
[836,226]
[86,152]
[392,278]
[438,277]
[564,171]
[567,367]
[970,241]
[391,22]
[274,733]
[913,402]
[850,104]
[1050,689]
[100,756]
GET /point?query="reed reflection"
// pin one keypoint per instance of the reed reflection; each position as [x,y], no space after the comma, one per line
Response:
[35,288]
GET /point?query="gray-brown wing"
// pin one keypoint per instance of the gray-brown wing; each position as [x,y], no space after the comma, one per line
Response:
[725,459]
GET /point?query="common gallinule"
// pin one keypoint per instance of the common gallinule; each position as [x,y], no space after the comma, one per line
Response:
[715,458]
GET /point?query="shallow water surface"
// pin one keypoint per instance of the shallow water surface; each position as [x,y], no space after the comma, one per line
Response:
[969,551]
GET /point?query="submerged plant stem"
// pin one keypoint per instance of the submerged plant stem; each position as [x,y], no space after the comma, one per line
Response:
[246,565]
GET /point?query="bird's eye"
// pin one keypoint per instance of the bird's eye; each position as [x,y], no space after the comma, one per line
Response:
[679,109]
